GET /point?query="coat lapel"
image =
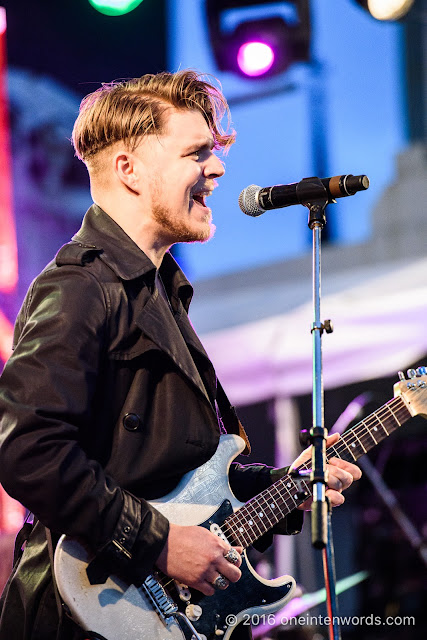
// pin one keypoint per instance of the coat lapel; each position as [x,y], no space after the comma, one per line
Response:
[157,322]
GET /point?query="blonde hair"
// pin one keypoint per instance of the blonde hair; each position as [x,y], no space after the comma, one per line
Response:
[125,111]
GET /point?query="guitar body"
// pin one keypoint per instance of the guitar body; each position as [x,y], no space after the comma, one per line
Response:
[116,609]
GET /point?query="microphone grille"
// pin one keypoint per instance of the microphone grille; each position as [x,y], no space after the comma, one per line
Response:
[248,201]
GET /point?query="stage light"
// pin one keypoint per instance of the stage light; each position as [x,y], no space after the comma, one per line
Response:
[256,39]
[114,7]
[255,58]
[8,247]
[2,20]
[386,9]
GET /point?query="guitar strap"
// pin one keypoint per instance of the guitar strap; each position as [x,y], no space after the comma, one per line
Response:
[229,417]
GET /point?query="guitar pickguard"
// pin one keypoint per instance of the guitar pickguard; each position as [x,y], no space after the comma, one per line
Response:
[251,594]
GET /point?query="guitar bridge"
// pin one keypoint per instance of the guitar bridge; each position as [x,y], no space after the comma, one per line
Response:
[165,606]
[160,599]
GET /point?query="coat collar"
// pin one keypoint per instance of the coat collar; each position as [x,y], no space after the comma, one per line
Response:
[100,232]
[126,259]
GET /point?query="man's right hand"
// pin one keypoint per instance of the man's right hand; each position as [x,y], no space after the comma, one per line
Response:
[195,556]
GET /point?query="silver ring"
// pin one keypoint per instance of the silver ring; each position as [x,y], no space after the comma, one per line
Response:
[232,556]
[220,582]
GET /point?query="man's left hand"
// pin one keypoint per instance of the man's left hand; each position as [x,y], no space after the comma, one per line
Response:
[340,474]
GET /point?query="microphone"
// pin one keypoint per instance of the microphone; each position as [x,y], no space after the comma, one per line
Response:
[255,200]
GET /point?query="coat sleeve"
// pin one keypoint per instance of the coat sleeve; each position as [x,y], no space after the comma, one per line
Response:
[46,398]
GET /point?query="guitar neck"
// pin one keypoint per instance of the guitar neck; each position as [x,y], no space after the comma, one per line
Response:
[265,510]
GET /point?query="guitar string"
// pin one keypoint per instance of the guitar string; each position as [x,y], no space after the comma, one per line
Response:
[360,434]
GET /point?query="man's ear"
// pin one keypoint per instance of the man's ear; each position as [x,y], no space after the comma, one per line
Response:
[126,170]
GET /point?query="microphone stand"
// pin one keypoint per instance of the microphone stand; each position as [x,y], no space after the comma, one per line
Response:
[321,532]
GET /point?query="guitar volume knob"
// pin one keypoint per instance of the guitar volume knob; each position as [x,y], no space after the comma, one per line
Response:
[193,612]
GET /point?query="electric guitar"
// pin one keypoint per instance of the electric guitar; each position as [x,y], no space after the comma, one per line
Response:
[161,608]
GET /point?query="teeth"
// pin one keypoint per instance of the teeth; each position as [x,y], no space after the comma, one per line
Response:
[203,193]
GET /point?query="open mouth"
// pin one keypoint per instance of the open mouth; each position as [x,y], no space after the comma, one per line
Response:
[200,197]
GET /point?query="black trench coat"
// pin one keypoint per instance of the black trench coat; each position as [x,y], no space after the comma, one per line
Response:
[107,400]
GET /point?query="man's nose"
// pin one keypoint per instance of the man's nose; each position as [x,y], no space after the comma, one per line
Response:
[214,167]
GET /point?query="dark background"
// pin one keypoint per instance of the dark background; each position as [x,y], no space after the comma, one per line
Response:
[72,42]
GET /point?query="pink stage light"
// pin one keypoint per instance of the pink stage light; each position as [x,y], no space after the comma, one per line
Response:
[255,58]
[2,20]
[8,250]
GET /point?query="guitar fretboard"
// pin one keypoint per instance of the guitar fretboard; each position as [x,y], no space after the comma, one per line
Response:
[266,509]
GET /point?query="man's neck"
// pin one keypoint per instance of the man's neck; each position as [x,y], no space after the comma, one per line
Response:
[142,230]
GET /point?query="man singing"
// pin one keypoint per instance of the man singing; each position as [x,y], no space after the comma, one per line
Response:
[109,397]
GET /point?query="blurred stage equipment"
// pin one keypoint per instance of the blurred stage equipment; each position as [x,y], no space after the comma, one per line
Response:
[255,38]
[114,7]
[301,604]
[386,9]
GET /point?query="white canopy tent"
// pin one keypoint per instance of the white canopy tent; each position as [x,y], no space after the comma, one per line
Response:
[379,327]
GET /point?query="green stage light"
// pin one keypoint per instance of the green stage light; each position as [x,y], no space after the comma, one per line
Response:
[114,7]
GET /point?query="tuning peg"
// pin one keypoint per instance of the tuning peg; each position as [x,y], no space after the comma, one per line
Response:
[401,376]
[411,373]
[422,371]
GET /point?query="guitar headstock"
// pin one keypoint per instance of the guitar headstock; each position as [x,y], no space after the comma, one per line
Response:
[413,390]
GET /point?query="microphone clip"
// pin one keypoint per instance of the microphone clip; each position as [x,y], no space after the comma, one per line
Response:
[317,217]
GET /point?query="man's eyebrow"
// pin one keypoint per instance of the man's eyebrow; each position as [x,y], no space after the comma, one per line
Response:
[202,143]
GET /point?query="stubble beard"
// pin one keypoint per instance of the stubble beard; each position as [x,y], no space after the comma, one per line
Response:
[178,230]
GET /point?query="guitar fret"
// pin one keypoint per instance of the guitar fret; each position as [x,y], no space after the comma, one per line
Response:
[370,434]
[251,522]
[350,451]
[264,512]
[387,433]
[248,523]
[288,487]
[243,540]
[280,499]
[272,504]
[255,520]
[394,415]
[231,532]
[365,439]
[361,443]
[293,500]
[233,538]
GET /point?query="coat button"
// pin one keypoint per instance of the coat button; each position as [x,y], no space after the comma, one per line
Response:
[131,421]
